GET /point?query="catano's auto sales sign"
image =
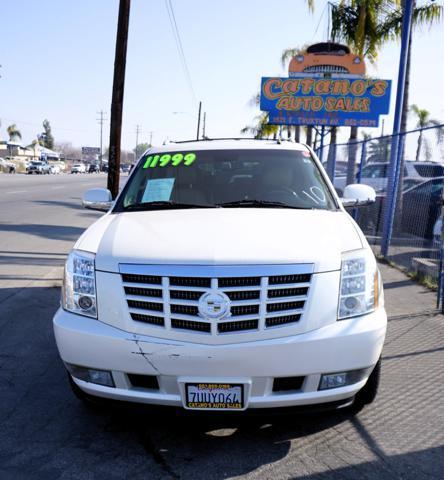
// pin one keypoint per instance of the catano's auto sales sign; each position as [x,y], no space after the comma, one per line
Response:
[331,101]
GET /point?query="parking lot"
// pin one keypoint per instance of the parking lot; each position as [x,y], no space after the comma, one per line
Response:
[47,433]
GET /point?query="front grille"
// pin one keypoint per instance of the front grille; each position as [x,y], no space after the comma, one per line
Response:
[157,307]
[150,279]
[279,307]
[280,279]
[148,319]
[257,303]
[190,282]
[276,321]
[185,295]
[238,326]
[184,309]
[144,292]
[239,282]
[244,310]
[191,325]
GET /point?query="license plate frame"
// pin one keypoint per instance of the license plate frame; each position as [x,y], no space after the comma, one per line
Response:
[212,391]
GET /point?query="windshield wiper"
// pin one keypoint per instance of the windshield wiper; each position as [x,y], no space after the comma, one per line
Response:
[164,204]
[261,204]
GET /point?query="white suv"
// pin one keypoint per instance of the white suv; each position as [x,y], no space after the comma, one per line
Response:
[227,275]
[376,174]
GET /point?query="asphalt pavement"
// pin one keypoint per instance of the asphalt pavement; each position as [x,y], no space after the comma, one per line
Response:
[46,433]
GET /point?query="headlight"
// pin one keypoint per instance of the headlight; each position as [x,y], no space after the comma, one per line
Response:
[79,284]
[360,284]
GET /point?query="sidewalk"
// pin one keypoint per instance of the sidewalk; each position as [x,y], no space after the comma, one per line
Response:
[403,296]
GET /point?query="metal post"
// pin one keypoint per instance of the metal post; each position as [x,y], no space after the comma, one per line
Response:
[393,178]
[363,157]
[321,144]
[198,120]
[359,176]
[331,165]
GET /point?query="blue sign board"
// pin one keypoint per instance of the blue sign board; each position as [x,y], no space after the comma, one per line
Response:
[335,101]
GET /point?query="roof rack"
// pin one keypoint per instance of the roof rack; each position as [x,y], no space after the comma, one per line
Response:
[277,140]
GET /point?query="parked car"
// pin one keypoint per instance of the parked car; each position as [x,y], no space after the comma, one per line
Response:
[78,168]
[55,169]
[126,168]
[7,166]
[421,207]
[375,174]
[227,275]
[40,168]
[93,168]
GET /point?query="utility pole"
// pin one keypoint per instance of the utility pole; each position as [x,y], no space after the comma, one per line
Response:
[137,141]
[101,120]
[151,138]
[395,157]
[198,120]
[115,134]
[204,135]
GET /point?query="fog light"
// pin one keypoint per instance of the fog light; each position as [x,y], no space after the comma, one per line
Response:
[99,377]
[342,379]
[85,303]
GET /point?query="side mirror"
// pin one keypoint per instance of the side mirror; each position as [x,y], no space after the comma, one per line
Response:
[358,195]
[97,199]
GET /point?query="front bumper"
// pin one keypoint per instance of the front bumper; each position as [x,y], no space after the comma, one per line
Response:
[345,345]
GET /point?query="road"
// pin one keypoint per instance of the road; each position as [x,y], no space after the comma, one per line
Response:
[46,433]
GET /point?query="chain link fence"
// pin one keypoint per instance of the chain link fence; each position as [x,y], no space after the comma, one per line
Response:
[416,244]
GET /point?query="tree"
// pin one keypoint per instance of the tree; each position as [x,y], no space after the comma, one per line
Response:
[14,133]
[426,15]
[286,56]
[424,120]
[361,24]
[261,129]
[46,136]
[141,148]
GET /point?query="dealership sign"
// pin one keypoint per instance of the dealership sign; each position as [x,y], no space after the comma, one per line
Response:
[90,151]
[334,101]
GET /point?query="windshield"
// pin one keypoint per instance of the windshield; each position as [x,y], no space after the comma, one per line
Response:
[226,178]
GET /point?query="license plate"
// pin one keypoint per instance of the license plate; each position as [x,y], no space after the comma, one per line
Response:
[214,396]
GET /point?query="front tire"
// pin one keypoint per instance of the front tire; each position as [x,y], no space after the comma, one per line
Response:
[94,403]
[368,393]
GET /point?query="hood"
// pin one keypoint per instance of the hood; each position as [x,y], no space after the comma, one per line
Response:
[222,237]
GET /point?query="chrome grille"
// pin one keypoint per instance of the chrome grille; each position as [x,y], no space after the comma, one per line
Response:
[259,302]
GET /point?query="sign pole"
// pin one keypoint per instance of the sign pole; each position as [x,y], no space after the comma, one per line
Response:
[393,177]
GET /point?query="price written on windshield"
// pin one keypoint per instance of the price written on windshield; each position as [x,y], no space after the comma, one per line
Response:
[173,160]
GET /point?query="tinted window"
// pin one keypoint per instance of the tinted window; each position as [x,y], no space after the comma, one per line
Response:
[215,177]
[430,170]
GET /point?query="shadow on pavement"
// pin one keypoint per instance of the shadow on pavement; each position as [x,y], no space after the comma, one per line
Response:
[53,232]
[45,432]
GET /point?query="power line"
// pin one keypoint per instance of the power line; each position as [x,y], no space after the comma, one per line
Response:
[178,41]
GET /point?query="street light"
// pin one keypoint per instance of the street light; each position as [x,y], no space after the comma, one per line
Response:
[191,115]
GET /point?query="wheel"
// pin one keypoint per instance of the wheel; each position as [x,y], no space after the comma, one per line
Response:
[368,393]
[89,401]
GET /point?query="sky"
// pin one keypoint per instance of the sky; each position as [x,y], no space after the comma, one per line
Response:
[57,58]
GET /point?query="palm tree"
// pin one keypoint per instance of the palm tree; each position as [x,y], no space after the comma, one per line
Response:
[262,129]
[426,15]
[14,133]
[360,24]
[367,25]
[424,120]
[286,56]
